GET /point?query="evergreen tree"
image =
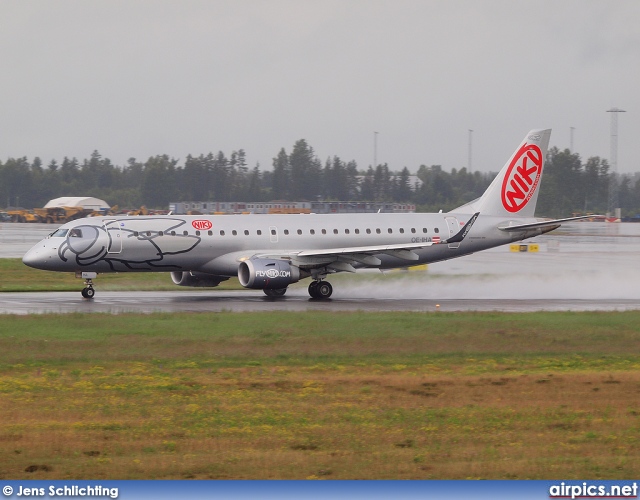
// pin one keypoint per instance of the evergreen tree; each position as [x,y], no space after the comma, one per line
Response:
[403,188]
[158,185]
[280,189]
[305,172]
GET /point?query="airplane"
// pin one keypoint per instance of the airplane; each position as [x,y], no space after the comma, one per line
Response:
[272,251]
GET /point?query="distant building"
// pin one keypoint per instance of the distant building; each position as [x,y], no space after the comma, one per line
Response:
[88,203]
[317,207]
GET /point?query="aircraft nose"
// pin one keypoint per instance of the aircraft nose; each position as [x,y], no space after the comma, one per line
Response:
[37,257]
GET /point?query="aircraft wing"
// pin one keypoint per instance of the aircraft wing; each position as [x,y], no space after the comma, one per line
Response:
[341,258]
[544,224]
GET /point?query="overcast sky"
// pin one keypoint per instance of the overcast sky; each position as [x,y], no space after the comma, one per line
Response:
[138,78]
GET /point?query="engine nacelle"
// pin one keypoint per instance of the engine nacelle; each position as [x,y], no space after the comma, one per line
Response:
[197,279]
[267,274]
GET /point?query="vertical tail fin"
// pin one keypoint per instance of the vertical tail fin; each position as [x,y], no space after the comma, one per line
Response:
[514,191]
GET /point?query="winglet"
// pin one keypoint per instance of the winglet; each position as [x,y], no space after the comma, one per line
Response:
[457,238]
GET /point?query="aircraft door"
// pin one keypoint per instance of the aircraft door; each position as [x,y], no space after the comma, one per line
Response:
[454,226]
[112,227]
[273,234]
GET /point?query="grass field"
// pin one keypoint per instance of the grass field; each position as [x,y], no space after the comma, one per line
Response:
[16,277]
[318,395]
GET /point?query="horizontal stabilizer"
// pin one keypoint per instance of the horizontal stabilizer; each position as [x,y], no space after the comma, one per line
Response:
[537,225]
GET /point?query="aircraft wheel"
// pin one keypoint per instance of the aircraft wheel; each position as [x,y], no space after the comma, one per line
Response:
[324,290]
[274,292]
[88,292]
[313,289]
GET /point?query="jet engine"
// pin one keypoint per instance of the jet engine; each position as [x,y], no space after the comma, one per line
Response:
[197,279]
[267,274]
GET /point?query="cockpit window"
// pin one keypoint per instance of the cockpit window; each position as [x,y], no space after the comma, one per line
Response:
[75,233]
[60,233]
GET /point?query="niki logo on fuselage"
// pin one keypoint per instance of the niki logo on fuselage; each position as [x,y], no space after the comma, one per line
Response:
[202,224]
[90,244]
[522,177]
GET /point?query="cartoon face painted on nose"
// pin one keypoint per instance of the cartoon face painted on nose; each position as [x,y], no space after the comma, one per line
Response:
[87,243]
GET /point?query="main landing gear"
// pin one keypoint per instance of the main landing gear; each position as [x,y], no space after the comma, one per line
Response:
[320,289]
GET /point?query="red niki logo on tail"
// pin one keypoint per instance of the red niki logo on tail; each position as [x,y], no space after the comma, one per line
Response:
[522,177]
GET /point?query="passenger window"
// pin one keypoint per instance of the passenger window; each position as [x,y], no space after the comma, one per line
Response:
[246,232]
[401,231]
[185,233]
[437,230]
[197,233]
[234,232]
[273,232]
[210,233]
[299,231]
[368,231]
[390,230]
[413,229]
[346,231]
[148,233]
[258,232]
[335,231]
[173,233]
[135,233]
[160,233]
[286,231]
[312,231]
[424,230]
[324,231]
[378,231]
[357,231]
[221,233]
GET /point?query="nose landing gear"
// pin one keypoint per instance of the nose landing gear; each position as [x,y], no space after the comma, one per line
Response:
[87,292]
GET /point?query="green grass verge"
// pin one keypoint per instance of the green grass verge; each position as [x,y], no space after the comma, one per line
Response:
[603,338]
[16,277]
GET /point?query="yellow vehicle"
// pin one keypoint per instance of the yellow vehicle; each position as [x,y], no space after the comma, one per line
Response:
[60,214]
[23,215]
[141,211]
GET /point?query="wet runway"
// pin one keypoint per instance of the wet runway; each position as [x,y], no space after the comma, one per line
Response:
[16,238]
[250,301]
[581,267]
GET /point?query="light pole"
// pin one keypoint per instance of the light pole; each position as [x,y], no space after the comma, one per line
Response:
[571,130]
[470,148]
[613,159]
[375,150]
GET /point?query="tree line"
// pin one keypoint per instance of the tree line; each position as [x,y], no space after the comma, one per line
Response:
[568,185]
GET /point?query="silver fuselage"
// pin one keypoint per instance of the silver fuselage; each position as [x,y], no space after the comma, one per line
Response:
[216,244]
